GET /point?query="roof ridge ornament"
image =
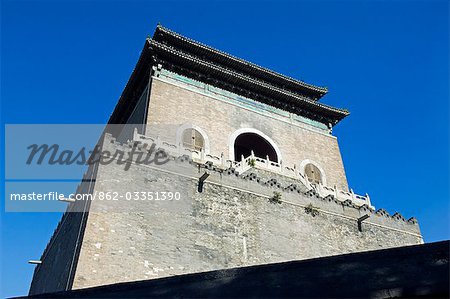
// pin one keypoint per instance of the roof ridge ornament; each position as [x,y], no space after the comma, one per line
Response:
[297,97]
[319,89]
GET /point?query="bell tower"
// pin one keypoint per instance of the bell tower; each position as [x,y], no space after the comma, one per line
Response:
[251,174]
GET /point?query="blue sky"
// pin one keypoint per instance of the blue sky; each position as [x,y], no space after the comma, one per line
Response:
[387,62]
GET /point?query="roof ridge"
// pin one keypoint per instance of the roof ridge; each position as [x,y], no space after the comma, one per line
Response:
[324,90]
[253,80]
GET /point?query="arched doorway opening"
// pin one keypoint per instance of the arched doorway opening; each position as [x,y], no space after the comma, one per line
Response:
[247,142]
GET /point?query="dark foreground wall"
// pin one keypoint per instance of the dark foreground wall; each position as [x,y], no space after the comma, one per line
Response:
[413,271]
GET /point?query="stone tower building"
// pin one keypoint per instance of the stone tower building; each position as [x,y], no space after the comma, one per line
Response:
[254,174]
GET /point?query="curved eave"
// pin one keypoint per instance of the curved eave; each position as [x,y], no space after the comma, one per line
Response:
[139,77]
[232,61]
[284,99]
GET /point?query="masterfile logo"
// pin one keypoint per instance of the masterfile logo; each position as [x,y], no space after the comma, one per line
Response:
[46,164]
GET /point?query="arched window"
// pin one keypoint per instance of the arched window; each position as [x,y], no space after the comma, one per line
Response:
[245,143]
[193,139]
[313,174]
[241,143]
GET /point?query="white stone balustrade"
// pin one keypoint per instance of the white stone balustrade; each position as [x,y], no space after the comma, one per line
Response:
[259,163]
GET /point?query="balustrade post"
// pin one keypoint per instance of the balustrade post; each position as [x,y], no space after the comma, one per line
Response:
[202,155]
[308,183]
[368,200]
[319,189]
[267,161]
[241,164]
[135,135]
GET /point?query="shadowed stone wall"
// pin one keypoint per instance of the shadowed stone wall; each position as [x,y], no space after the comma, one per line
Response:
[59,259]
[408,272]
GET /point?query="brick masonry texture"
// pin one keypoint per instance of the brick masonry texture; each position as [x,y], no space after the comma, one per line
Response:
[230,224]
[171,106]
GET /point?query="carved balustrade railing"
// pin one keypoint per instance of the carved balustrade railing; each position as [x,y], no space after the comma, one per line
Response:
[252,161]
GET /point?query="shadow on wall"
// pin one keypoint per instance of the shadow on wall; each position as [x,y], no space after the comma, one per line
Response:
[405,272]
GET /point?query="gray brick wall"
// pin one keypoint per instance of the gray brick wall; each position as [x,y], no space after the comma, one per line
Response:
[230,224]
[171,106]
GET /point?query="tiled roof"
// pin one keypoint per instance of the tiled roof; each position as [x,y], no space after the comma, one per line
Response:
[305,103]
[203,63]
[163,35]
